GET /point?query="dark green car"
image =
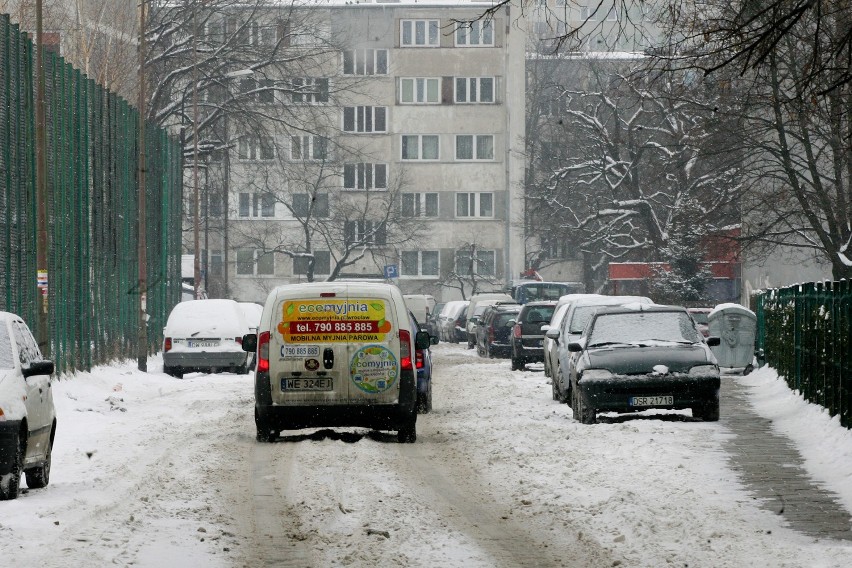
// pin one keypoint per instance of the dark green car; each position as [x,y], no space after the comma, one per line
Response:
[638,357]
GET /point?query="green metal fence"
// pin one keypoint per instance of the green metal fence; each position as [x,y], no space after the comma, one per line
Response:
[805,333]
[92,205]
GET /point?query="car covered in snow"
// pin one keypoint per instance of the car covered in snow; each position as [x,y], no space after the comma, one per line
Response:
[638,357]
[27,414]
[205,336]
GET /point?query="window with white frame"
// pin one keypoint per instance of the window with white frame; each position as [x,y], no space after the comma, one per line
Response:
[256,148]
[474,147]
[365,176]
[255,262]
[256,205]
[420,147]
[322,263]
[585,13]
[479,33]
[365,119]
[310,90]
[612,15]
[420,90]
[419,205]
[419,33]
[364,232]
[420,263]
[315,205]
[365,62]
[474,90]
[482,262]
[475,204]
[308,147]
[262,91]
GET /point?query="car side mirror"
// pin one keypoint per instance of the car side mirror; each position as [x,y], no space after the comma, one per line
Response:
[422,340]
[43,367]
[250,342]
[552,333]
[714,341]
[575,347]
[544,328]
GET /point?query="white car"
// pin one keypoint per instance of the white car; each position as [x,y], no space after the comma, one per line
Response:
[205,336]
[27,415]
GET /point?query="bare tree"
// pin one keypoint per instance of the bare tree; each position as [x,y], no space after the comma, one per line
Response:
[473,271]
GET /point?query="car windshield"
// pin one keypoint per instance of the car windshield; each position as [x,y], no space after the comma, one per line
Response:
[7,360]
[642,327]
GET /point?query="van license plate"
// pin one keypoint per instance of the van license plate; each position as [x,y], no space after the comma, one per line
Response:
[307,384]
[651,400]
[300,351]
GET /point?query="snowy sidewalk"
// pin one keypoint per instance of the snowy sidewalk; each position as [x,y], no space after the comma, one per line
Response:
[773,470]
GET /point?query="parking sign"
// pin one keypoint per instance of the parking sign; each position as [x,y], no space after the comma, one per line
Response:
[391,271]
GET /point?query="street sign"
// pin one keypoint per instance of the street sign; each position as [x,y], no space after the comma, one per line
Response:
[391,271]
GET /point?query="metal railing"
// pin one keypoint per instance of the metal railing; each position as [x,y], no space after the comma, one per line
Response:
[93,296]
[805,333]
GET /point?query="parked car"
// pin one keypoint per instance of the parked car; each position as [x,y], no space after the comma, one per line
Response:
[702,323]
[336,354]
[458,326]
[481,300]
[527,336]
[549,344]
[535,291]
[205,336]
[573,323]
[421,305]
[434,321]
[423,364]
[27,414]
[632,358]
[494,335]
[447,319]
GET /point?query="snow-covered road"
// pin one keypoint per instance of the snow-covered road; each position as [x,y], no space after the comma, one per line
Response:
[153,471]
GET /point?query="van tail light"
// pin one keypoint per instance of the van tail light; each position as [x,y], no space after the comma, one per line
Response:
[418,358]
[491,334]
[167,344]
[405,350]
[516,331]
[239,340]
[263,352]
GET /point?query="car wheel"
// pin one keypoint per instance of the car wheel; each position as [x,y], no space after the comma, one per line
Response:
[517,364]
[38,477]
[175,372]
[748,369]
[709,412]
[469,344]
[575,405]
[407,434]
[546,368]
[587,414]
[554,388]
[11,482]
[265,433]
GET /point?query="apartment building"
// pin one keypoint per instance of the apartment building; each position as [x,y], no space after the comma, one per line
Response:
[423,101]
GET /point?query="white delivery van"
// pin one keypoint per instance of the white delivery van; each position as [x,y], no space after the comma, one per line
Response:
[335,354]
[421,305]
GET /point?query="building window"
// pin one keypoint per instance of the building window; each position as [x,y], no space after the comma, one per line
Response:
[254,148]
[302,205]
[419,263]
[364,233]
[420,90]
[254,205]
[365,62]
[474,147]
[419,204]
[475,204]
[420,147]
[585,13]
[478,33]
[262,91]
[475,90]
[309,90]
[365,176]
[308,148]
[612,15]
[322,263]
[419,33]
[255,263]
[215,263]
[365,119]
[482,262]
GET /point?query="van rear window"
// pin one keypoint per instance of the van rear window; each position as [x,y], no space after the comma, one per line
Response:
[328,320]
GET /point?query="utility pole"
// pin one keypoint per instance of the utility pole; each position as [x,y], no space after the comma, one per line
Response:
[195,191]
[41,192]
[142,250]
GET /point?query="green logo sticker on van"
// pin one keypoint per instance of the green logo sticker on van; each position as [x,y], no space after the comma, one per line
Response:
[374,369]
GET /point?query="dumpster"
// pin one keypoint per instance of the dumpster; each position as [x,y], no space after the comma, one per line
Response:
[736,327]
